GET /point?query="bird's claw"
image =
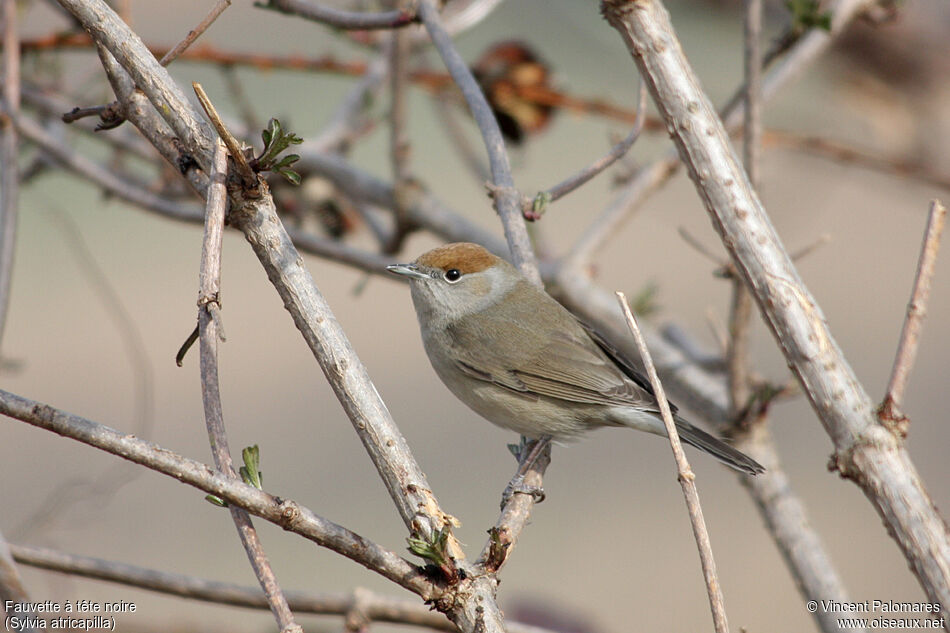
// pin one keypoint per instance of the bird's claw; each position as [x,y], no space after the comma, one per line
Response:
[518,486]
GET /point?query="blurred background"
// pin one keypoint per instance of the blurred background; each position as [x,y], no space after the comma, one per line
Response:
[611,547]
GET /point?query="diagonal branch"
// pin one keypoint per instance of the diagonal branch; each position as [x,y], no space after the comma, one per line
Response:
[506,197]
[685,475]
[108,29]
[916,310]
[283,512]
[864,449]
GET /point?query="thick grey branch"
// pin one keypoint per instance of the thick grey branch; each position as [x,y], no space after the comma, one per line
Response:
[865,450]
[107,28]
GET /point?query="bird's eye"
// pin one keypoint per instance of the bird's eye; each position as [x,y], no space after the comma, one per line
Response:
[452,275]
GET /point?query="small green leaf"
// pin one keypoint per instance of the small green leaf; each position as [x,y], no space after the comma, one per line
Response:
[434,551]
[291,176]
[276,140]
[215,500]
[287,161]
[250,471]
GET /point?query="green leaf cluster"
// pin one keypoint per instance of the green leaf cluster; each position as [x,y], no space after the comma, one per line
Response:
[276,141]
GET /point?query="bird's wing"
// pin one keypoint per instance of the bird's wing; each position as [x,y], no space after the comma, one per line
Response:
[567,365]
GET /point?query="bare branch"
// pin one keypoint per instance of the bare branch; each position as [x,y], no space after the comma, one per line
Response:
[704,391]
[916,311]
[685,475]
[209,306]
[149,76]
[585,175]
[375,607]
[283,512]
[195,33]
[341,19]
[103,176]
[248,177]
[506,197]
[407,484]
[514,515]
[865,450]
[9,170]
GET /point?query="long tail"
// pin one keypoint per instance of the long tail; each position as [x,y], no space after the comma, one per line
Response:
[717,448]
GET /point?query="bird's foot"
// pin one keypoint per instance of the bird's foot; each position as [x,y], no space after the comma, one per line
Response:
[518,486]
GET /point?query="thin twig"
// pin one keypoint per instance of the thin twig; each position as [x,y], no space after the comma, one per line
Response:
[283,512]
[209,305]
[195,33]
[377,607]
[446,111]
[916,311]
[341,19]
[9,169]
[102,175]
[704,391]
[248,177]
[349,120]
[685,475]
[515,514]
[507,198]
[572,183]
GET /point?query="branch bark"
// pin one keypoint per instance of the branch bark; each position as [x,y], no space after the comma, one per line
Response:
[865,451]
[209,310]
[283,512]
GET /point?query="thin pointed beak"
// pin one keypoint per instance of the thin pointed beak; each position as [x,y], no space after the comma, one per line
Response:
[407,270]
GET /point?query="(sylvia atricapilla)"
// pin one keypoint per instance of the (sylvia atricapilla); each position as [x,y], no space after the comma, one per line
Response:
[520,360]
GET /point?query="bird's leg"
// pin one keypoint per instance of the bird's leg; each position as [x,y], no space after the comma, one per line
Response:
[527,454]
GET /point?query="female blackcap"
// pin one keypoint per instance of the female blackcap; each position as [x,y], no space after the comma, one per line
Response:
[522,361]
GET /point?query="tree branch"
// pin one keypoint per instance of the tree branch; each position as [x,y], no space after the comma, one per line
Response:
[149,76]
[209,306]
[340,19]
[506,197]
[916,311]
[283,512]
[685,475]
[195,33]
[865,450]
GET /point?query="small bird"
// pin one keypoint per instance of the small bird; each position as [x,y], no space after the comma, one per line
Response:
[519,359]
